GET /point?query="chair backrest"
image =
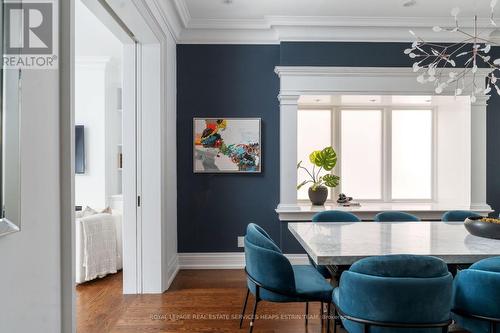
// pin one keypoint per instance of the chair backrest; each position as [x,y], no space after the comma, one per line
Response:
[265,263]
[457,215]
[476,291]
[259,237]
[395,216]
[407,289]
[335,216]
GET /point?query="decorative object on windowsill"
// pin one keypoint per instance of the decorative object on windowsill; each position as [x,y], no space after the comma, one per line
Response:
[343,199]
[483,227]
[346,201]
[472,52]
[223,145]
[322,160]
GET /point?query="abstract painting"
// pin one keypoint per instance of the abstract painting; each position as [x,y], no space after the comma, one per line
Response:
[224,145]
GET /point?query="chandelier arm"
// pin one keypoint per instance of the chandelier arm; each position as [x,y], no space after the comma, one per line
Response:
[477,37]
[458,49]
[464,72]
[460,76]
[441,46]
[430,57]
[495,67]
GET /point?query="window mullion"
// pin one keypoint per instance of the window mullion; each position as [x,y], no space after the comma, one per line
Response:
[336,143]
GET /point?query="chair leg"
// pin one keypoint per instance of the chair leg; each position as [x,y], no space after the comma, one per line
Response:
[493,327]
[366,328]
[445,329]
[307,312]
[328,317]
[244,307]
[252,320]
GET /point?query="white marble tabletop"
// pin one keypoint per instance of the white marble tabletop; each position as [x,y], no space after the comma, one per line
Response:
[344,243]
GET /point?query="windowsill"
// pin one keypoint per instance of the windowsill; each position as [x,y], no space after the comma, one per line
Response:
[367,211]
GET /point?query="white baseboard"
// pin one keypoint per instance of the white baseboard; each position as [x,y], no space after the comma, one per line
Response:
[172,270]
[225,260]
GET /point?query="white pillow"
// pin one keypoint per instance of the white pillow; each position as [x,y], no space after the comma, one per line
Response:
[107,210]
[86,212]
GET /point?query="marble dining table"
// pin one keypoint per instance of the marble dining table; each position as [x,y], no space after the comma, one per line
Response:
[339,243]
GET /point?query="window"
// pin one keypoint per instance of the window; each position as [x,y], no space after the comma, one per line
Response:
[385,149]
[314,132]
[411,154]
[361,153]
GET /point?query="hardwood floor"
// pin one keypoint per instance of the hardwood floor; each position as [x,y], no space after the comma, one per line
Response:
[198,301]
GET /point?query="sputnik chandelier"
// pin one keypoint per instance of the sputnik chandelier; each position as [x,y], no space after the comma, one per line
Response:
[437,63]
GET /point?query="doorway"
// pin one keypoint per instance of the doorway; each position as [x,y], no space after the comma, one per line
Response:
[148,83]
[106,135]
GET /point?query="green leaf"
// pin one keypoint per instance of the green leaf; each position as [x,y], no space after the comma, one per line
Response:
[312,156]
[326,158]
[331,180]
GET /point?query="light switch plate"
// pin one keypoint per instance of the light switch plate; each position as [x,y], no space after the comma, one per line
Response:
[241,241]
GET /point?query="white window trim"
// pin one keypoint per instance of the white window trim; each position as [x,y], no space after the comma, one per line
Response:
[297,81]
[386,167]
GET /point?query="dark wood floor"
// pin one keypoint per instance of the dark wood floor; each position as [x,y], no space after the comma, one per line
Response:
[198,301]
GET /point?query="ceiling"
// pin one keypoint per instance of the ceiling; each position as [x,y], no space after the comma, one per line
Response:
[259,9]
[272,21]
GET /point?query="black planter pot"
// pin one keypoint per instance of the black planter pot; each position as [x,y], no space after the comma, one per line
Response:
[318,196]
[482,229]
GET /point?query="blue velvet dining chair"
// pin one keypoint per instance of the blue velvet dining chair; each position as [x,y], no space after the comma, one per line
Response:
[395,294]
[457,215]
[335,216]
[271,277]
[331,216]
[395,216]
[476,297]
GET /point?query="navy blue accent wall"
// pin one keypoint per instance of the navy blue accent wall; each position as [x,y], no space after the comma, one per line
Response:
[226,81]
[344,54]
[239,81]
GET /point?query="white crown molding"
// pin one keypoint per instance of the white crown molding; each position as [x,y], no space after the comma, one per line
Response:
[183,12]
[275,29]
[93,62]
[167,16]
[226,260]
[303,33]
[312,71]
[269,22]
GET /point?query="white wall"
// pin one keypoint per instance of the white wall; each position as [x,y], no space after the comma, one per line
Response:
[97,76]
[453,150]
[30,261]
[170,164]
[159,168]
[90,108]
[92,37]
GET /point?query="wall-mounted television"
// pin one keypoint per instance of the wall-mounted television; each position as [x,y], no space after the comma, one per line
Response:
[79,149]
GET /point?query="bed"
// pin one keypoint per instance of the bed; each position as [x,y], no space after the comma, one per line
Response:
[98,236]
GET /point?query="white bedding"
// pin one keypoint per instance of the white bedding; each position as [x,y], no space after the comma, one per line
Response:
[98,246]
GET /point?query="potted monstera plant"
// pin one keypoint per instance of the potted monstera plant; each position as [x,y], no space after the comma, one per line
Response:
[321,160]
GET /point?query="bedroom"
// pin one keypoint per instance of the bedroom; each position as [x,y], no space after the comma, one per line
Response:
[98,148]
